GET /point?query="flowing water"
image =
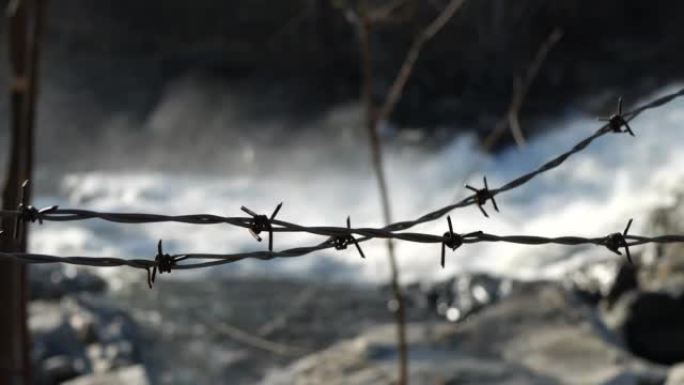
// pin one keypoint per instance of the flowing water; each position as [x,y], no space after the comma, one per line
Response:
[323,177]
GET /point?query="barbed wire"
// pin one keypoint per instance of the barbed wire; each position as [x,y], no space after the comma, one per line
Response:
[613,241]
[339,237]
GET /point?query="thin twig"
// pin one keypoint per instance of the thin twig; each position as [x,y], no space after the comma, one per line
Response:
[385,13]
[281,321]
[371,121]
[521,87]
[253,340]
[397,88]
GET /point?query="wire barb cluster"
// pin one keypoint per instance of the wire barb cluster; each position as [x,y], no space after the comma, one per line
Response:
[28,213]
[338,238]
[482,196]
[261,223]
[614,242]
[617,121]
[164,263]
[454,241]
[342,241]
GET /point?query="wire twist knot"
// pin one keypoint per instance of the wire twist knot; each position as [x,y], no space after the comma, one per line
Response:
[614,242]
[340,242]
[164,263]
[32,214]
[28,213]
[482,196]
[617,121]
[453,240]
[262,223]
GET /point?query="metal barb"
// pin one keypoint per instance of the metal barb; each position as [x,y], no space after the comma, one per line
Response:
[261,223]
[277,209]
[23,202]
[248,211]
[614,242]
[27,213]
[270,227]
[149,277]
[340,242]
[617,121]
[164,263]
[482,196]
[451,240]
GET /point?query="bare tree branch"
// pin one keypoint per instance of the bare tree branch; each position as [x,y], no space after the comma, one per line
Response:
[397,87]
[386,13]
[521,87]
[371,122]
[253,340]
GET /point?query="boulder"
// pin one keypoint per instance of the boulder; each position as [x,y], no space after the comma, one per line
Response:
[646,303]
[57,369]
[676,375]
[52,335]
[53,281]
[651,325]
[543,335]
[456,298]
[76,336]
[130,375]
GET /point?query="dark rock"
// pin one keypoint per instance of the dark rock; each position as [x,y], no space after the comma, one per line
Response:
[663,268]
[541,334]
[55,281]
[80,335]
[646,304]
[84,325]
[183,323]
[458,297]
[57,369]
[52,334]
[654,327]
[130,375]
[625,281]
[594,281]
[114,329]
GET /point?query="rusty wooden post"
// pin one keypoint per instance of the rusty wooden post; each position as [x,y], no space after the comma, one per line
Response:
[24,21]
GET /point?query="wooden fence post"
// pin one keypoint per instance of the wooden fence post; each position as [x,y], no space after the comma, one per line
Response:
[25,19]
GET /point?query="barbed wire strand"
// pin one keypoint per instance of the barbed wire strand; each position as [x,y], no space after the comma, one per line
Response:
[340,237]
[218,259]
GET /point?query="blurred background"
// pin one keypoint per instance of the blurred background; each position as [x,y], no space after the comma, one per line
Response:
[179,107]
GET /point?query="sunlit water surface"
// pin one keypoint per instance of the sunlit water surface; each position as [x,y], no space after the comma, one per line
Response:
[594,193]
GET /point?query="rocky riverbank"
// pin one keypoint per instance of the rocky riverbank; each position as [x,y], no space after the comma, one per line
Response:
[468,330]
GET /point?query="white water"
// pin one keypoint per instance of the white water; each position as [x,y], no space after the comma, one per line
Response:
[594,193]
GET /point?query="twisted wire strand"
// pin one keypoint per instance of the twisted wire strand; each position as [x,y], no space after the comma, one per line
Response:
[209,260]
[56,214]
